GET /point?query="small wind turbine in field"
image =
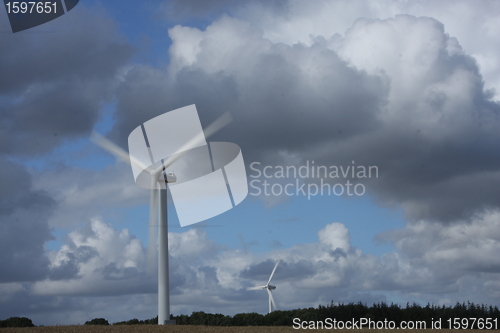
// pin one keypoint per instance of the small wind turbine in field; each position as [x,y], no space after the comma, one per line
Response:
[269,287]
[154,147]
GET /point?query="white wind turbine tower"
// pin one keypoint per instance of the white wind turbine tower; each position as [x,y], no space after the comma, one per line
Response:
[269,287]
[159,178]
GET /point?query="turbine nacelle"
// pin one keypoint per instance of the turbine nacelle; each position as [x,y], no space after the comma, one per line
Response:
[170,177]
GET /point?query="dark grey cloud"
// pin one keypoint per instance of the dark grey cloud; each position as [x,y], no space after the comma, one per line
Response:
[97,260]
[147,89]
[56,77]
[178,10]
[67,270]
[112,272]
[259,273]
[209,276]
[23,225]
[69,267]
[430,131]
[196,8]
[277,109]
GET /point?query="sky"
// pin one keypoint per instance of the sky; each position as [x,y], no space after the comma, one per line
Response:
[408,88]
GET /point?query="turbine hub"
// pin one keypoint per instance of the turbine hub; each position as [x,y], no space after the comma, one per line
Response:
[167,177]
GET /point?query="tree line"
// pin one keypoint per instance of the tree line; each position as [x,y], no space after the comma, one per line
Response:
[16,322]
[340,312]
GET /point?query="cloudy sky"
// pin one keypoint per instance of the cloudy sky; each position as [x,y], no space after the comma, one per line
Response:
[410,88]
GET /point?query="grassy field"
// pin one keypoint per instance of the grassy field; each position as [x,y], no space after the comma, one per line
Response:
[199,329]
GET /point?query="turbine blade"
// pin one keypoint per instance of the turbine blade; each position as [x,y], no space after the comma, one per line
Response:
[211,129]
[153,209]
[218,124]
[271,298]
[274,270]
[114,149]
[257,288]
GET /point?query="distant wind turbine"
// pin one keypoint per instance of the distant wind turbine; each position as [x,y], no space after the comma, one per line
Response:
[269,287]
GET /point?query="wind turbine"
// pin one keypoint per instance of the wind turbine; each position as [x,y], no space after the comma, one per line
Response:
[269,287]
[160,177]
